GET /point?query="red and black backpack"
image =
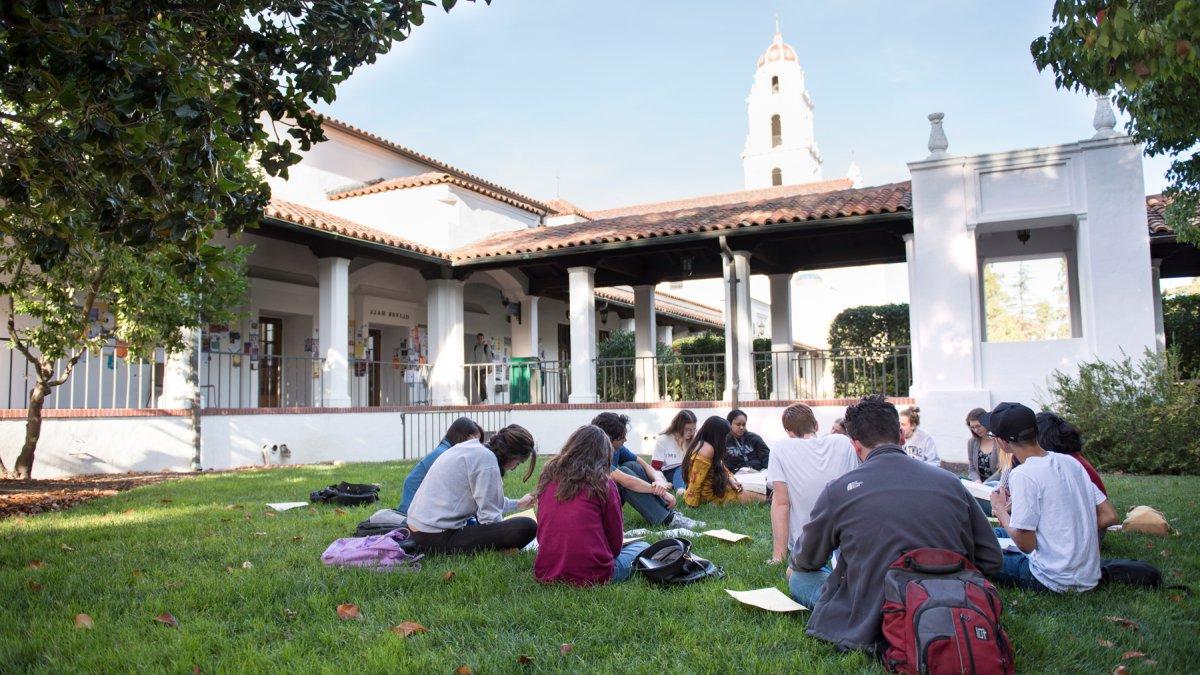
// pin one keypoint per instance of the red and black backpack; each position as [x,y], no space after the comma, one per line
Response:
[940,615]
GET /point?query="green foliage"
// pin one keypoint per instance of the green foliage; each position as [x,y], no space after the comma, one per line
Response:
[869,350]
[1017,312]
[1147,52]
[1138,417]
[616,371]
[1181,322]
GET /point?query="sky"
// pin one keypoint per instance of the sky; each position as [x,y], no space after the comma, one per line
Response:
[610,104]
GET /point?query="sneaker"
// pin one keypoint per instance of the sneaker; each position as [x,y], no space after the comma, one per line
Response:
[680,520]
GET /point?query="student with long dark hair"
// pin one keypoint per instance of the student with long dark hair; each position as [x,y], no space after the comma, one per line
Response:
[671,445]
[467,482]
[708,477]
[461,430]
[580,528]
[1058,435]
[746,449]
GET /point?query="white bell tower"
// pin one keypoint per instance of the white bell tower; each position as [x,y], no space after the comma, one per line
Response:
[780,147]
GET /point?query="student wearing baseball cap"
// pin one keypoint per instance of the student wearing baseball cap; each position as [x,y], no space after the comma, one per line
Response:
[1051,510]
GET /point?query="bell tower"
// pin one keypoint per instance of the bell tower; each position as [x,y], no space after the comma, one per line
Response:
[780,146]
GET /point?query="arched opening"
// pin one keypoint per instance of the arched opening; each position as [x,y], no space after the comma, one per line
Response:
[776,176]
[774,84]
[776,131]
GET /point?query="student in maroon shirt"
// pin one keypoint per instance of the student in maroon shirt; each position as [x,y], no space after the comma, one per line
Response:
[580,528]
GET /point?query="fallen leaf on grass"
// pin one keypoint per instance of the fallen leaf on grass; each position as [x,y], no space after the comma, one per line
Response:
[247,516]
[164,500]
[36,564]
[1123,622]
[297,539]
[288,614]
[1121,670]
[565,649]
[348,612]
[448,576]
[229,569]
[246,564]
[407,628]
[83,621]
[524,659]
[167,619]
[312,509]
[1132,655]
[66,548]
[463,670]
[1150,545]
[340,512]
[1165,553]
[33,585]
[137,573]
[1175,597]
[173,585]
[270,514]
[1107,643]
[260,534]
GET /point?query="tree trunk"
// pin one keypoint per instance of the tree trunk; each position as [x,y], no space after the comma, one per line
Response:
[23,469]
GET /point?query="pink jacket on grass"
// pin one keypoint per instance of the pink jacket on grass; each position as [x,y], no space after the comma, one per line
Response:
[381,551]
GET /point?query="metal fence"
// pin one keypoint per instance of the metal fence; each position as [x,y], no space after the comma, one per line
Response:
[379,383]
[422,431]
[517,382]
[108,378]
[235,380]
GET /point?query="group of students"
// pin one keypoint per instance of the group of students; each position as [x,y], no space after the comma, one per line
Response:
[843,505]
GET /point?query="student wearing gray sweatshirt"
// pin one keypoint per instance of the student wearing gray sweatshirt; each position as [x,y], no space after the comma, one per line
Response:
[873,514]
[467,482]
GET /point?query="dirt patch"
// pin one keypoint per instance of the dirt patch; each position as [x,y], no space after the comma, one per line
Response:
[39,496]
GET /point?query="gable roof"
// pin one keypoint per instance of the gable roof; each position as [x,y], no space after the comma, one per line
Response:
[306,216]
[438,178]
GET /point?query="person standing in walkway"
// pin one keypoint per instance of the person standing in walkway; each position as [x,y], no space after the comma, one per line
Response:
[917,443]
[481,359]
[872,515]
[640,485]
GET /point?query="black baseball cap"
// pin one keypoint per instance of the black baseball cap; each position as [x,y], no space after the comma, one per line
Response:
[1010,421]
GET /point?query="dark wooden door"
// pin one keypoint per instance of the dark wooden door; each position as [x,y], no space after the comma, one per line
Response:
[374,355]
[270,367]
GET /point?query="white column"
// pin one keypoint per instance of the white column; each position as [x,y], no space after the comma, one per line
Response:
[333,309]
[1160,331]
[525,332]
[666,335]
[744,359]
[583,334]
[444,309]
[645,344]
[910,264]
[627,325]
[783,360]
[180,382]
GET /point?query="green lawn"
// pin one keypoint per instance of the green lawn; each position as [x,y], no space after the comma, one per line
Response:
[179,547]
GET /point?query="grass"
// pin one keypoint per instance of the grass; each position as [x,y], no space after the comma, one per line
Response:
[166,548]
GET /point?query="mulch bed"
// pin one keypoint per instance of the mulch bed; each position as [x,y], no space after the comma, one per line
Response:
[25,497]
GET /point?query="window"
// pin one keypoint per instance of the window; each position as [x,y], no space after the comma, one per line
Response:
[776,176]
[1026,299]
[776,131]
[774,84]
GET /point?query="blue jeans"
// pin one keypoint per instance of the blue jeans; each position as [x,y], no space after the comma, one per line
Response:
[805,587]
[675,475]
[1014,570]
[623,563]
[652,508]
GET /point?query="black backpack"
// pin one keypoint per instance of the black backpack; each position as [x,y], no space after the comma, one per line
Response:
[1136,573]
[671,562]
[347,494]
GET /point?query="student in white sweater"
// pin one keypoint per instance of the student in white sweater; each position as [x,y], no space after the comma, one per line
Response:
[917,443]
[671,446]
[467,482]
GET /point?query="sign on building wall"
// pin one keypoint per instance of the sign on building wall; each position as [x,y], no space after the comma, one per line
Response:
[388,312]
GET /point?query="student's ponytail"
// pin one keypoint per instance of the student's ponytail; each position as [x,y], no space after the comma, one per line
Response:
[513,442]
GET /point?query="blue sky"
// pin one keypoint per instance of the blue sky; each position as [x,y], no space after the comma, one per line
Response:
[619,103]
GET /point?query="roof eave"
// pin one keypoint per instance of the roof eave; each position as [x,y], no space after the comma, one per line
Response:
[418,256]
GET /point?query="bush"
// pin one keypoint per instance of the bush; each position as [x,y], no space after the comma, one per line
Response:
[704,380]
[865,350]
[1138,417]
[616,373]
[1181,323]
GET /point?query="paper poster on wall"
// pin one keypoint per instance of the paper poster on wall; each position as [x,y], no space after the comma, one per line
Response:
[236,360]
[234,337]
[122,349]
[246,347]
[214,343]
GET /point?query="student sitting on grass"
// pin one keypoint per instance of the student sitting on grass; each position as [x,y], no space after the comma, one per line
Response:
[838,426]
[1056,514]
[671,445]
[467,482]
[801,466]
[983,457]
[461,430]
[872,515]
[708,479]
[580,527]
[747,450]
[917,443]
[641,486]
[1058,435]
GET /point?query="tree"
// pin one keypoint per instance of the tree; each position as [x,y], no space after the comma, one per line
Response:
[868,350]
[1147,52]
[1181,323]
[132,133]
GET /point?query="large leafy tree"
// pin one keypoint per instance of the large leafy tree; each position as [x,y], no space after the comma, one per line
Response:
[1146,51]
[133,132]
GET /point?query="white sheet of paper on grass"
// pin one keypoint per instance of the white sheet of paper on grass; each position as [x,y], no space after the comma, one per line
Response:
[726,535]
[285,506]
[527,513]
[770,599]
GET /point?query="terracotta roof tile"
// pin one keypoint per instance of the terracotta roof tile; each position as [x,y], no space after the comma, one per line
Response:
[309,217]
[1156,207]
[437,164]
[670,305]
[562,207]
[437,178]
[726,198]
[891,198]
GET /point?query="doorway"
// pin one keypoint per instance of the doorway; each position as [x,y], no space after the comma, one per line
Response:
[374,355]
[270,368]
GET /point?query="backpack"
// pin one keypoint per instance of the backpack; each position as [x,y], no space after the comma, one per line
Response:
[940,615]
[671,562]
[1136,573]
[383,552]
[347,494]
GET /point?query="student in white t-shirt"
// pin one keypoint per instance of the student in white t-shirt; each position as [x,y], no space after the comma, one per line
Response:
[800,468]
[1051,510]
[917,443]
[671,446]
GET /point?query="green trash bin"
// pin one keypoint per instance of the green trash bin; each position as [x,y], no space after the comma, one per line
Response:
[520,371]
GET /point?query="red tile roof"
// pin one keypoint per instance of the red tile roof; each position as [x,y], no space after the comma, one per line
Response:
[426,159]
[670,305]
[438,178]
[309,217]
[562,207]
[891,198]
[726,198]
[1156,206]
